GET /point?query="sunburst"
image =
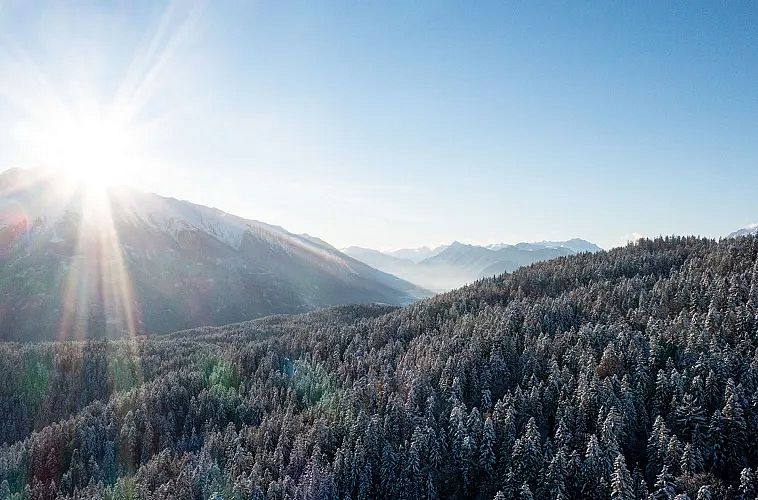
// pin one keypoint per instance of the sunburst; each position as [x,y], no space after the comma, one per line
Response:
[94,142]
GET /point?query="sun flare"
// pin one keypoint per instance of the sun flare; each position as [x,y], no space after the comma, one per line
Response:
[95,148]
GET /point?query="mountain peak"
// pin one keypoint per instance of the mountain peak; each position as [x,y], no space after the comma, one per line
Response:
[458,244]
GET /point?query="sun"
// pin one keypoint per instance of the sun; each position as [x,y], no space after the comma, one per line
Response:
[96,148]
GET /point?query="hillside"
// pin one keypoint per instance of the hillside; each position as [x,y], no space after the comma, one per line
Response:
[620,373]
[133,262]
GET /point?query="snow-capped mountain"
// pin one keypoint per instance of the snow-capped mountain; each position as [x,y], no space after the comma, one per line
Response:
[450,266]
[74,266]
[576,245]
[377,259]
[745,231]
[416,254]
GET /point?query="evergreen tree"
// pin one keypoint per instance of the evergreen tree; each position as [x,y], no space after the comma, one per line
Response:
[664,485]
[621,480]
[595,470]
[527,454]
[525,493]
[748,488]
[704,493]
[486,453]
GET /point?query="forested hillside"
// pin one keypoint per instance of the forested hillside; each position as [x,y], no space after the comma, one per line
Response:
[618,374]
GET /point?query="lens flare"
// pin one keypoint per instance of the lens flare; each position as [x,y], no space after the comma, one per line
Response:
[88,135]
[95,148]
[97,296]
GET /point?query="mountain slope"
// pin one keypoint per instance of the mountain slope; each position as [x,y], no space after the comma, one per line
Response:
[71,266]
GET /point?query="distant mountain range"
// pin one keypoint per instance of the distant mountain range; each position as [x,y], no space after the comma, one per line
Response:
[71,266]
[450,266]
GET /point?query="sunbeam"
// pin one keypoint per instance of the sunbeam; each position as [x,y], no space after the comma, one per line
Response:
[88,139]
[98,299]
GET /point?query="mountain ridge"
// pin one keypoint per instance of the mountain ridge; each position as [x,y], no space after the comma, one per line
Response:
[141,262]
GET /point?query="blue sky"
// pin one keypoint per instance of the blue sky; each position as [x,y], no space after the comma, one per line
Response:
[402,124]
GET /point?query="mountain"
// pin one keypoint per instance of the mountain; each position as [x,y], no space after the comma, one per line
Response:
[524,256]
[377,259]
[750,229]
[416,254]
[462,256]
[451,266]
[460,263]
[74,266]
[576,245]
[627,374]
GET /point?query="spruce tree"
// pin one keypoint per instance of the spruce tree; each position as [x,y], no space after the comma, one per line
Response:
[621,481]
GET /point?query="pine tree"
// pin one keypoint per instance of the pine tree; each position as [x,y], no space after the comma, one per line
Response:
[735,430]
[555,478]
[486,453]
[595,470]
[468,469]
[716,440]
[664,485]
[431,489]
[673,455]
[525,493]
[109,467]
[387,470]
[508,433]
[527,454]
[640,486]
[657,445]
[704,493]
[621,480]
[692,461]
[748,487]
[611,432]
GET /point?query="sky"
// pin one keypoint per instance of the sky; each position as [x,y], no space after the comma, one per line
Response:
[401,124]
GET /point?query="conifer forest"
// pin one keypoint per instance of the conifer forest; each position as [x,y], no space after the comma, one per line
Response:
[624,374]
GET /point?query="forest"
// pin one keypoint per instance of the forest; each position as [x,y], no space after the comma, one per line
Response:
[625,374]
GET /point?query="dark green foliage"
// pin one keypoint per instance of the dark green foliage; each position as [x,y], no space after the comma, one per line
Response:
[609,375]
